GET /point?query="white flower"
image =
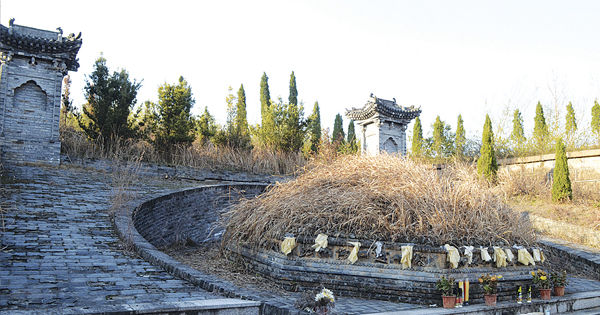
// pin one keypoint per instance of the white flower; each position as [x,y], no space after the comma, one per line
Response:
[325,294]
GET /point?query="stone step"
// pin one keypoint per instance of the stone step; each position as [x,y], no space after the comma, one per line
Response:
[576,303]
[199,307]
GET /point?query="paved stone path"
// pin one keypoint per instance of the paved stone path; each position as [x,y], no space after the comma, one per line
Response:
[59,249]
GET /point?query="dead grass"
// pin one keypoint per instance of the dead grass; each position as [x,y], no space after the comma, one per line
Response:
[530,190]
[206,156]
[208,260]
[385,198]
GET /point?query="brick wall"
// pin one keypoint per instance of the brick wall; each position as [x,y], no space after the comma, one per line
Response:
[189,215]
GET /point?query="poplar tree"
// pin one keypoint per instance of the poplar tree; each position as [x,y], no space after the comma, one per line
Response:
[561,187]
[417,139]
[487,166]
[596,120]
[174,122]
[353,147]
[461,138]
[315,128]
[338,129]
[66,102]
[540,129]
[110,99]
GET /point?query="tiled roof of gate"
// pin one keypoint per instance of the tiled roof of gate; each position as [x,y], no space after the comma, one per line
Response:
[19,39]
[388,108]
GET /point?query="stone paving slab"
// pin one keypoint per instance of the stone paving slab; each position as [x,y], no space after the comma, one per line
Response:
[58,247]
[201,307]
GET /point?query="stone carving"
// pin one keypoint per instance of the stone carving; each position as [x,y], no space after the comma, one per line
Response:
[60,65]
[5,57]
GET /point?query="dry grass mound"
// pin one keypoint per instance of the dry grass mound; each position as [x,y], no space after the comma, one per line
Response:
[385,198]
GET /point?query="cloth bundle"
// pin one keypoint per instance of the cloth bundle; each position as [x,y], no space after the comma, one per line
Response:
[499,257]
[523,256]
[485,256]
[354,253]
[469,254]
[288,244]
[407,252]
[453,255]
[320,242]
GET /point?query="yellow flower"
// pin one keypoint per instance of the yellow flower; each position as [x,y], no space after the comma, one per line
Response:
[493,278]
[533,273]
[480,280]
[543,278]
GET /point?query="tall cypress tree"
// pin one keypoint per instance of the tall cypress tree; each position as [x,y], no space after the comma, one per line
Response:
[417,139]
[570,125]
[438,137]
[338,129]
[518,133]
[242,133]
[487,166]
[352,137]
[571,121]
[461,138]
[315,128]
[293,98]
[265,98]
[561,187]
[596,120]
[540,129]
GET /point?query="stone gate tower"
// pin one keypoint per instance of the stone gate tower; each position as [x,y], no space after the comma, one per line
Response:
[33,64]
[383,125]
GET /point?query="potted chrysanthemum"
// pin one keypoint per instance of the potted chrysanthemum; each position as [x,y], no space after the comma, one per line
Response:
[543,283]
[559,281]
[446,284]
[490,286]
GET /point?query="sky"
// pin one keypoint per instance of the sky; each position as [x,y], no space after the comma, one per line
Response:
[468,58]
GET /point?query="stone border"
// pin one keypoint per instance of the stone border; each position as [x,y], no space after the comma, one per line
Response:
[126,229]
[200,307]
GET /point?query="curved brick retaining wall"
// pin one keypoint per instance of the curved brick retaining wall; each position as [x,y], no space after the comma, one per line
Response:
[189,216]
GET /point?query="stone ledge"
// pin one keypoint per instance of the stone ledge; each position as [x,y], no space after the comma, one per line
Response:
[200,307]
[557,305]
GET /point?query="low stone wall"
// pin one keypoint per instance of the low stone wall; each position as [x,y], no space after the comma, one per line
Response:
[583,165]
[189,216]
[179,172]
[379,276]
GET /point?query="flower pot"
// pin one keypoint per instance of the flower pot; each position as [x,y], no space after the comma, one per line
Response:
[545,294]
[448,301]
[559,291]
[490,299]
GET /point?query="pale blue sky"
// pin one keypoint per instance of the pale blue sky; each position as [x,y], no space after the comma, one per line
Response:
[449,57]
